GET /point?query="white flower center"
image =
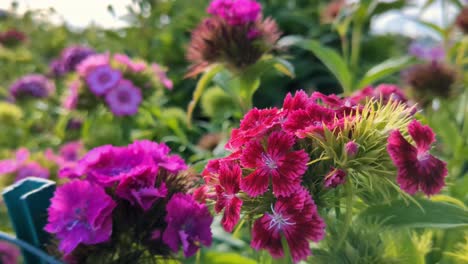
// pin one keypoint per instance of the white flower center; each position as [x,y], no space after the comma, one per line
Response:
[269,161]
[278,221]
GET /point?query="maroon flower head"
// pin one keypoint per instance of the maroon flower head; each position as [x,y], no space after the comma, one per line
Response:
[276,161]
[236,36]
[12,38]
[462,20]
[417,168]
[296,219]
[430,80]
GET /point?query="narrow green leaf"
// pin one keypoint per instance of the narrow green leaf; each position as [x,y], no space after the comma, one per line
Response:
[332,60]
[384,69]
[425,214]
[226,258]
[285,67]
[201,86]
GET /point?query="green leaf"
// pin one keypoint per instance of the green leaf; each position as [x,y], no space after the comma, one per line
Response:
[285,67]
[332,60]
[384,69]
[201,86]
[425,214]
[226,258]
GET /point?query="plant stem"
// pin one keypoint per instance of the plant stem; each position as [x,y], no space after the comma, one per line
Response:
[27,247]
[356,45]
[349,213]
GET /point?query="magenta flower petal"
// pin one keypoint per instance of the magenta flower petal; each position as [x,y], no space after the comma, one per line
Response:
[277,161]
[188,224]
[80,213]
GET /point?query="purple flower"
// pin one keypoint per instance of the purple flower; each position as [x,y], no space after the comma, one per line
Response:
[133,66]
[417,168]
[68,154]
[236,12]
[107,164]
[56,68]
[31,169]
[91,62]
[158,70]
[22,167]
[73,55]
[160,155]
[9,254]
[335,178]
[140,187]
[427,52]
[188,224]
[124,99]
[80,213]
[102,78]
[31,86]
[351,148]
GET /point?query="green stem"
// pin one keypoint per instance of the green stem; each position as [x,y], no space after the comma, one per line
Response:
[356,45]
[27,247]
[337,204]
[349,213]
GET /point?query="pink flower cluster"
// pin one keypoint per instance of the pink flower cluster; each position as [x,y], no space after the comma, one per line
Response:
[22,167]
[110,79]
[269,159]
[384,92]
[109,178]
[236,12]
[68,155]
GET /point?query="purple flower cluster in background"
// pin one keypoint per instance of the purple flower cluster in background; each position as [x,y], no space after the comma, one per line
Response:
[69,59]
[427,52]
[22,167]
[109,177]
[110,79]
[31,86]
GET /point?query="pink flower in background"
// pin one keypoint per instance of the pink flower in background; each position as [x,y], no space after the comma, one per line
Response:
[102,79]
[91,62]
[9,253]
[226,194]
[80,213]
[255,124]
[22,167]
[417,168]
[133,66]
[188,224]
[236,12]
[296,219]
[124,99]
[384,92]
[335,178]
[159,152]
[71,100]
[140,187]
[161,73]
[427,52]
[277,161]
[68,156]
